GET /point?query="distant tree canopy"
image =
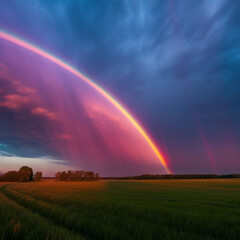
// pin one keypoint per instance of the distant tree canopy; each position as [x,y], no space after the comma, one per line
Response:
[79,175]
[38,176]
[174,176]
[11,176]
[24,174]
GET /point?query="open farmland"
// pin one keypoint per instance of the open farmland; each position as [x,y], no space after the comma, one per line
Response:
[150,209]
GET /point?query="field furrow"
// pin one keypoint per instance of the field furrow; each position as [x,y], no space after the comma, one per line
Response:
[23,217]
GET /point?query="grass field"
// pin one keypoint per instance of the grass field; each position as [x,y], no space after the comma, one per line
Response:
[151,209]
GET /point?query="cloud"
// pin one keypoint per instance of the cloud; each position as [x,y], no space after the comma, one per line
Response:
[14,101]
[45,164]
[44,112]
[67,137]
[173,63]
[15,95]
[6,154]
[25,90]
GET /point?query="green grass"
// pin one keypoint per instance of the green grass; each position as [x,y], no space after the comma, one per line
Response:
[151,209]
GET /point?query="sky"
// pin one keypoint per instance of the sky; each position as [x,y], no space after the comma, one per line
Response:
[173,64]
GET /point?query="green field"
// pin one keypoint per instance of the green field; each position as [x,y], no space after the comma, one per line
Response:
[151,209]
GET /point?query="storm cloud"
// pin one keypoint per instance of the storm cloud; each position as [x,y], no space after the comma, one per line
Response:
[174,64]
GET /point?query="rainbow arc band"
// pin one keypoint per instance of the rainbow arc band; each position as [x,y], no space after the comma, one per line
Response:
[22,43]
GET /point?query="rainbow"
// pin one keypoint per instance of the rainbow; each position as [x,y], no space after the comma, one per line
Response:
[22,43]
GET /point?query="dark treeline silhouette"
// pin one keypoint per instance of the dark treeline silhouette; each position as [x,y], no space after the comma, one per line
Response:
[79,175]
[173,176]
[25,174]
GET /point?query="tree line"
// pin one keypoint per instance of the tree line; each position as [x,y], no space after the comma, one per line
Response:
[78,175]
[24,174]
[174,176]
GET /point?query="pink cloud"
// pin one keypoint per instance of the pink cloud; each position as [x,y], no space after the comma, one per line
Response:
[14,101]
[25,90]
[44,112]
[65,137]
[14,95]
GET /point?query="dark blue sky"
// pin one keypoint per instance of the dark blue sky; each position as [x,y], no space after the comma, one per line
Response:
[174,64]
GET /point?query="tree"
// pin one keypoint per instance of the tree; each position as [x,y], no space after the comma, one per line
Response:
[77,175]
[25,174]
[89,175]
[82,174]
[38,176]
[63,176]
[57,176]
[69,175]
[11,176]
[97,176]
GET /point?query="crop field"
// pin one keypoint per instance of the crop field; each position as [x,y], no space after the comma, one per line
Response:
[143,209]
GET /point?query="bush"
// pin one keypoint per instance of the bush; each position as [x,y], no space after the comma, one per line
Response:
[38,176]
